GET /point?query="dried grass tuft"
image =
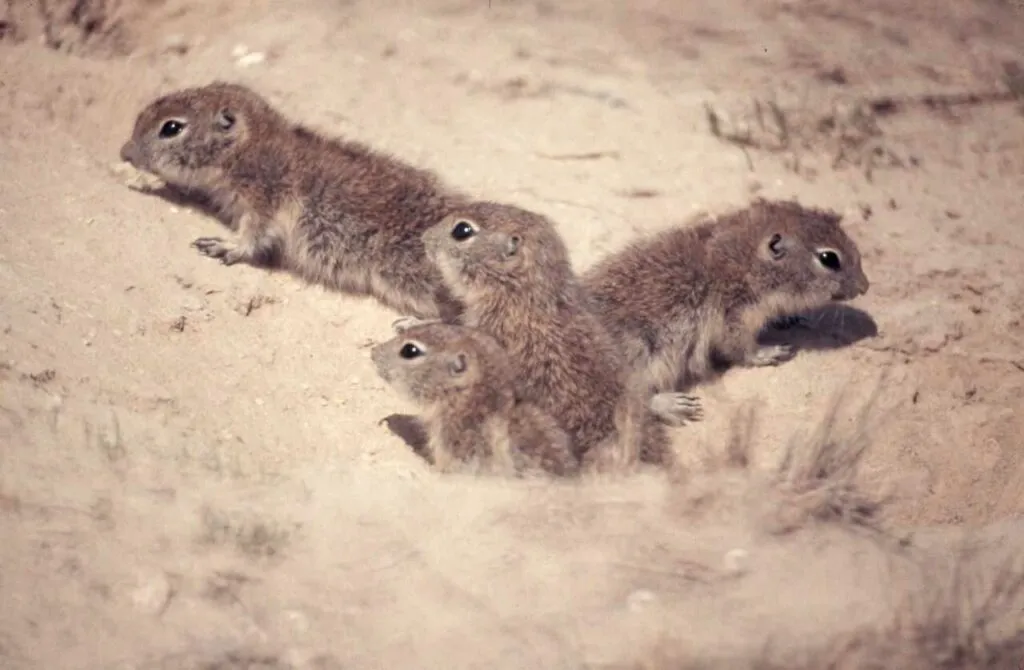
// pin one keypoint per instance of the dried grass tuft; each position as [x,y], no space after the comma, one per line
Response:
[961,616]
[818,477]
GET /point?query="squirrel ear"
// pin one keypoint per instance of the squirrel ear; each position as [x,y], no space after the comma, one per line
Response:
[457,365]
[512,245]
[776,246]
[225,119]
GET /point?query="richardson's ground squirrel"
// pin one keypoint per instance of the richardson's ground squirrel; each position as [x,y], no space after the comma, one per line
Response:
[334,212]
[692,299]
[475,420]
[511,270]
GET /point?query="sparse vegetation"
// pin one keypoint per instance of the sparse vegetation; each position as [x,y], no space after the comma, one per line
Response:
[961,615]
[968,615]
[849,133]
[253,537]
[240,659]
[818,474]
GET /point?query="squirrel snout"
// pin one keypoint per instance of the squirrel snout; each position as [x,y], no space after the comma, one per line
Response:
[128,152]
[863,284]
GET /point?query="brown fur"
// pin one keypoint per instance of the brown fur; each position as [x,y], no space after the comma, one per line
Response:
[334,212]
[514,276]
[692,297]
[465,382]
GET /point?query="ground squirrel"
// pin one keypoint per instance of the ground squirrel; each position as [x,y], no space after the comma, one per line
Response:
[334,212]
[511,270]
[693,298]
[475,420]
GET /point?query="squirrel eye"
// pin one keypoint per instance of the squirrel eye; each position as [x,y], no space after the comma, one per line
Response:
[171,128]
[830,260]
[463,230]
[409,351]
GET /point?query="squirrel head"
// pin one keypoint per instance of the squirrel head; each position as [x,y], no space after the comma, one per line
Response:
[488,247]
[798,252]
[186,137]
[438,363]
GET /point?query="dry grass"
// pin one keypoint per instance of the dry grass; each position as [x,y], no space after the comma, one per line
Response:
[850,132]
[974,619]
[959,614]
[965,616]
[251,536]
[818,475]
[962,615]
[241,660]
[817,480]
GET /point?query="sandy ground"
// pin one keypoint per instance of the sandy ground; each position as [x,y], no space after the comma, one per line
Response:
[193,470]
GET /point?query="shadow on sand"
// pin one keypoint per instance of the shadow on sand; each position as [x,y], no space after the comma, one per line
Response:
[831,327]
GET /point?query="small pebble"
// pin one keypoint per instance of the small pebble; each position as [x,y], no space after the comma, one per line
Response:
[640,599]
[735,561]
[933,340]
[296,621]
[152,592]
[54,403]
[176,43]
[249,59]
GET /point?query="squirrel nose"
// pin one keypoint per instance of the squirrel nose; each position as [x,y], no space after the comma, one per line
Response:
[863,284]
[128,152]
